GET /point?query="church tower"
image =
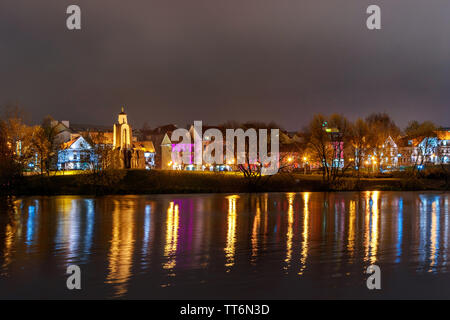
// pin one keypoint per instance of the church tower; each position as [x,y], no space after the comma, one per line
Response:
[122,132]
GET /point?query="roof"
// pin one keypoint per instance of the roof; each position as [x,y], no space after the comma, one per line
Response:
[144,145]
[90,127]
[161,130]
[60,126]
[443,133]
[69,144]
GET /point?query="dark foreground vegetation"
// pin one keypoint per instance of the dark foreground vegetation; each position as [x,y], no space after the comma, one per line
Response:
[157,181]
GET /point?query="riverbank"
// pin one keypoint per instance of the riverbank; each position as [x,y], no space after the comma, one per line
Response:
[166,182]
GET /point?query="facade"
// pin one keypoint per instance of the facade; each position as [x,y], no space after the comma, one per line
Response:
[390,155]
[76,154]
[412,152]
[131,154]
[122,133]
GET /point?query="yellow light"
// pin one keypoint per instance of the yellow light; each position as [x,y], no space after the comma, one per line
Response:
[366,162]
[304,159]
[231,161]
[170,163]
[373,158]
[289,159]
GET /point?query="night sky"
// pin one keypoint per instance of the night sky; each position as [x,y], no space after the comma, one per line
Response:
[179,61]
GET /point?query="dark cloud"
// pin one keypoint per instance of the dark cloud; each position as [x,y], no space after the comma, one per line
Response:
[178,61]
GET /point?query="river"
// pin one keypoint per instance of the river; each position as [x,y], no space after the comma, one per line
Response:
[211,246]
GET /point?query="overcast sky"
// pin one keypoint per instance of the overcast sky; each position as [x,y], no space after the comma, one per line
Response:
[179,61]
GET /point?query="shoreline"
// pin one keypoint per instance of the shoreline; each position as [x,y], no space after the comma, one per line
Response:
[137,182]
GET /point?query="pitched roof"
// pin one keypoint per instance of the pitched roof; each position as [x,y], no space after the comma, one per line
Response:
[144,145]
[69,144]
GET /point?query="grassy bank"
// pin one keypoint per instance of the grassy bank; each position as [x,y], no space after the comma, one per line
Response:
[157,181]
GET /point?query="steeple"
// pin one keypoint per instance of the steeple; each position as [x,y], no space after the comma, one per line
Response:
[122,117]
[122,132]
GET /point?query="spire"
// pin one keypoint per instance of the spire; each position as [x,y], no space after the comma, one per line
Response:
[122,117]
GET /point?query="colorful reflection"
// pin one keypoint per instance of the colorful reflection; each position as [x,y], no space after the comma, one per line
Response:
[372,199]
[290,229]
[399,229]
[146,237]
[122,246]
[351,228]
[172,225]
[230,249]
[305,234]
[185,239]
[256,230]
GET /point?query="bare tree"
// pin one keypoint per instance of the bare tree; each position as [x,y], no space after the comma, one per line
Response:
[42,148]
[328,139]
[359,139]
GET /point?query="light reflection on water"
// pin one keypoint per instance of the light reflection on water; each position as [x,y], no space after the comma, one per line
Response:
[184,245]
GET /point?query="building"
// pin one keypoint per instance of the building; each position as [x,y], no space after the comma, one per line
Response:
[131,154]
[82,146]
[389,157]
[162,143]
[413,152]
[76,154]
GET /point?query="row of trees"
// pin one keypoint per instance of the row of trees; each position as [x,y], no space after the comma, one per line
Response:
[22,145]
[340,146]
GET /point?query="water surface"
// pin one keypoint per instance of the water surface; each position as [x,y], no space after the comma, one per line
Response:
[276,245]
